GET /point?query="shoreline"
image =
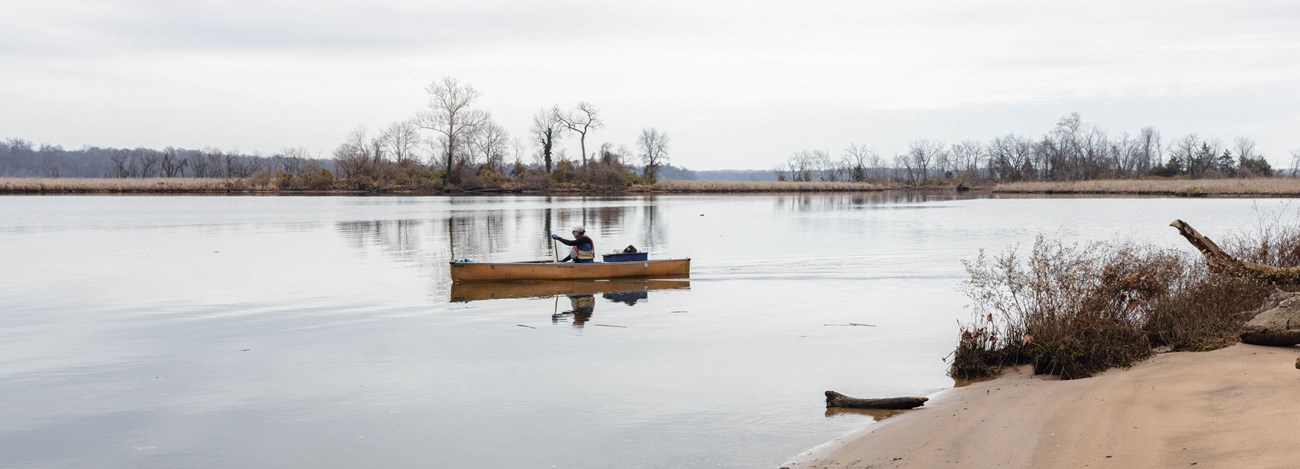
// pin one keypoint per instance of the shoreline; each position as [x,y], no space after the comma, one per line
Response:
[1254,187]
[1217,188]
[57,186]
[1223,408]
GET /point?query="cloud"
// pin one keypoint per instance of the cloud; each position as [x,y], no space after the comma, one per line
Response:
[268,74]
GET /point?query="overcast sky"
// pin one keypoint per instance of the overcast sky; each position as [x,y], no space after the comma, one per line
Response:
[735,84]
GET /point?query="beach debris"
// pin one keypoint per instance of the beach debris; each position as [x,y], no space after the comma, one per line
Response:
[1221,262]
[858,324]
[835,399]
[1279,326]
[525,325]
[610,325]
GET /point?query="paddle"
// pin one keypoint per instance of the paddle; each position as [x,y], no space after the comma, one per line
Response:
[555,249]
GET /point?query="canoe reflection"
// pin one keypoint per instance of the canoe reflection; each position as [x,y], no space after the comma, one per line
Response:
[623,290]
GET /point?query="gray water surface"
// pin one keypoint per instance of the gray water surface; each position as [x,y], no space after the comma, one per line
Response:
[319,331]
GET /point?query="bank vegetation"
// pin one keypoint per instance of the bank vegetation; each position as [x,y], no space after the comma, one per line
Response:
[1072,310]
[1269,187]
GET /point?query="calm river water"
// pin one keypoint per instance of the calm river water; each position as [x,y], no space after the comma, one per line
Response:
[321,331]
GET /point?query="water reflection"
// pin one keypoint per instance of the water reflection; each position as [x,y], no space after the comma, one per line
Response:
[619,290]
[400,238]
[506,230]
[875,414]
[884,199]
[477,232]
[652,232]
[580,310]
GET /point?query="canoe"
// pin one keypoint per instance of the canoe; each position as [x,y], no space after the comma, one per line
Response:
[475,291]
[496,271]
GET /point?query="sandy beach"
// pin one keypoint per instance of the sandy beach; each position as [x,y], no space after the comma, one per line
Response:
[1234,407]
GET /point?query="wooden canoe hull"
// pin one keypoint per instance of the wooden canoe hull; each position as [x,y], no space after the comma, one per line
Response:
[495,271]
[474,291]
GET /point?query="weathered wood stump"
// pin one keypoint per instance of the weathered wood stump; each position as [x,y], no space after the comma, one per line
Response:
[1278,325]
[1220,262]
[835,399]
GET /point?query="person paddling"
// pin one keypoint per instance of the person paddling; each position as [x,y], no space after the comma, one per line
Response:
[584,250]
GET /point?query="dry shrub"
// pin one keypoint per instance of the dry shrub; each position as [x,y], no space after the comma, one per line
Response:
[1073,311]
[1205,311]
[1271,242]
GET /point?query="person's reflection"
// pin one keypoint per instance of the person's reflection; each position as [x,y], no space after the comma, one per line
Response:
[581,309]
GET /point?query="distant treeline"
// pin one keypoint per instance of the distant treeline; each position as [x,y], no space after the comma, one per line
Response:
[452,146]
[21,158]
[1072,151]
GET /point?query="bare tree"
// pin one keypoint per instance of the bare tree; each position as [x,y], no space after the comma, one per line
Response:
[826,168]
[546,130]
[1245,148]
[859,160]
[1195,156]
[801,166]
[234,167]
[451,116]
[780,172]
[291,160]
[1149,150]
[354,156]
[654,151]
[172,163]
[402,140]
[517,150]
[582,120]
[146,162]
[1125,153]
[198,163]
[121,160]
[491,142]
[378,155]
[923,154]
[608,155]
[903,170]
[1011,158]
[966,158]
[214,157]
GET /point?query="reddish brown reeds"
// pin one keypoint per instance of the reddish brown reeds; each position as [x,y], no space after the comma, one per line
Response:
[1275,187]
[763,186]
[128,185]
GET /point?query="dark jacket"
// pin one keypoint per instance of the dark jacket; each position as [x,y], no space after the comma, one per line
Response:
[583,244]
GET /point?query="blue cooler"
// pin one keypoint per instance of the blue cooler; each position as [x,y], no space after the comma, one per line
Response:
[632,257]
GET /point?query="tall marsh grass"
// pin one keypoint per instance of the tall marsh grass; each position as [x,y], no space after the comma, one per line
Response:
[127,185]
[763,186]
[1176,187]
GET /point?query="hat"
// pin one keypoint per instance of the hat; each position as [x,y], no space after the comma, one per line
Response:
[579,229]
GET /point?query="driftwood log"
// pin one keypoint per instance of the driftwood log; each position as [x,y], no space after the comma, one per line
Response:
[1220,262]
[835,399]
